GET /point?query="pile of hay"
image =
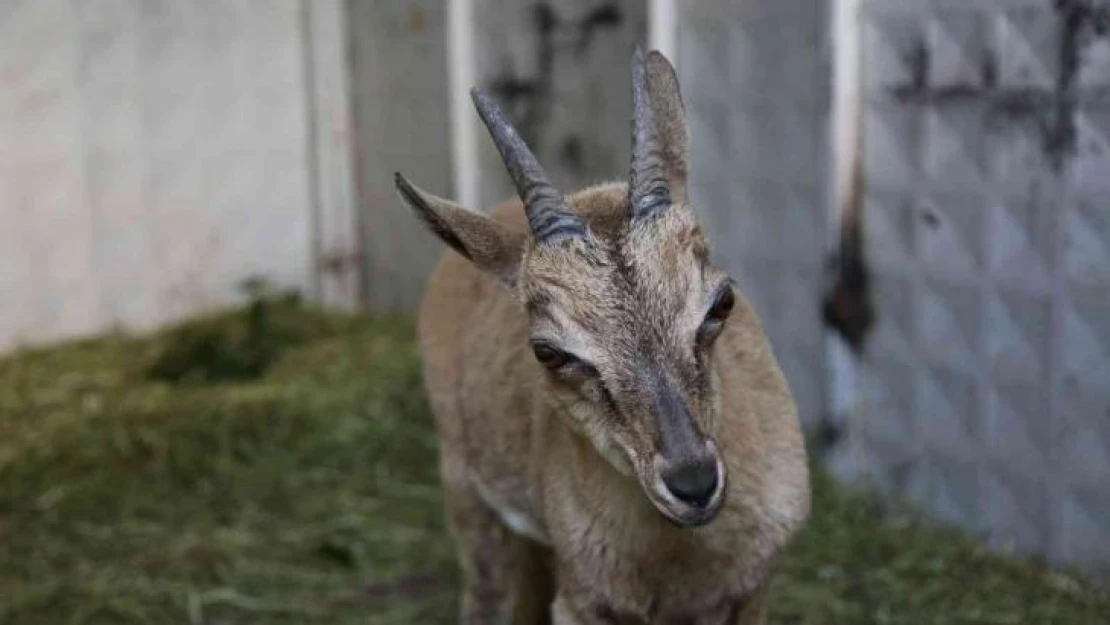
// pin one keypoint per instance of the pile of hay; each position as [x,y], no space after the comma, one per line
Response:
[277,465]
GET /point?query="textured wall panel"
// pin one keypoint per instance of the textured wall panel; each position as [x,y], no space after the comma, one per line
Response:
[987,385]
[755,80]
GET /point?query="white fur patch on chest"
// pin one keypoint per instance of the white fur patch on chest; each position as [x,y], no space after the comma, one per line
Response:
[513,517]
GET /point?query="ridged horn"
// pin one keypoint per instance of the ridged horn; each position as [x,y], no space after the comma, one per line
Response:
[648,192]
[549,216]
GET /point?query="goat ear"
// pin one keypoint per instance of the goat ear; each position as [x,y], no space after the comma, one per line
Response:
[489,245]
[670,120]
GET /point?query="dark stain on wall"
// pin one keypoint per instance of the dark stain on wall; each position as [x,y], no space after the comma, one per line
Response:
[848,306]
[1082,21]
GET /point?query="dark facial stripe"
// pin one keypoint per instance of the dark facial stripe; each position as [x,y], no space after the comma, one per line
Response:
[607,398]
[678,435]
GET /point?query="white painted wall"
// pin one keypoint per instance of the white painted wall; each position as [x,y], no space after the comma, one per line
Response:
[157,152]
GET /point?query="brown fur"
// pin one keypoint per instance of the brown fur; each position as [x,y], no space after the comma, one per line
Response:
[551,478]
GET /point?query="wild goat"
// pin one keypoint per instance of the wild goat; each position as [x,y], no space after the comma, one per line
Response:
[617,441]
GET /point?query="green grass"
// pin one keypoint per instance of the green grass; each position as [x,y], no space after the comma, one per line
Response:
[203,476]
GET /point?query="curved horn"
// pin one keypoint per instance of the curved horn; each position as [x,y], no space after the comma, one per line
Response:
[549,215]
[648,192]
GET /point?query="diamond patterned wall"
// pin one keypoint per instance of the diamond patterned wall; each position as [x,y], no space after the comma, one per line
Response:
[987,387]
[755,79]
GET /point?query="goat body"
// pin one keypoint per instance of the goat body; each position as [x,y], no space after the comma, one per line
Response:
[617,441]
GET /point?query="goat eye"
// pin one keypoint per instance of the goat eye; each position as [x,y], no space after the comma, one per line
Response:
[723,306]
[717,315]
[551,357]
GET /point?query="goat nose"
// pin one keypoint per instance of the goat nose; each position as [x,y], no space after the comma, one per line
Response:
[693,483]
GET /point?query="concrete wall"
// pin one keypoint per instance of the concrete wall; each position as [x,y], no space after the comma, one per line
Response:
[156,152]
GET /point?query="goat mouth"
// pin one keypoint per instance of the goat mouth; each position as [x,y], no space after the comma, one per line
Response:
[685,514]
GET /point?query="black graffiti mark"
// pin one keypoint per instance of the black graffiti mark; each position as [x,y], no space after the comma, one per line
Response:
[931,219]
[571,153]
[989,70]
[1051,110]
[527,100]
[1081,21]
[603,16]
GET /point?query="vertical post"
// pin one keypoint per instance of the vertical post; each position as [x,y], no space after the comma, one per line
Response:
[337,259]
[662,28]
[312,153]
[846,144]
[460,60]
[847,97]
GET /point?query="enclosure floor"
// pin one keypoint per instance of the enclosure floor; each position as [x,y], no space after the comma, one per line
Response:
[279,467]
